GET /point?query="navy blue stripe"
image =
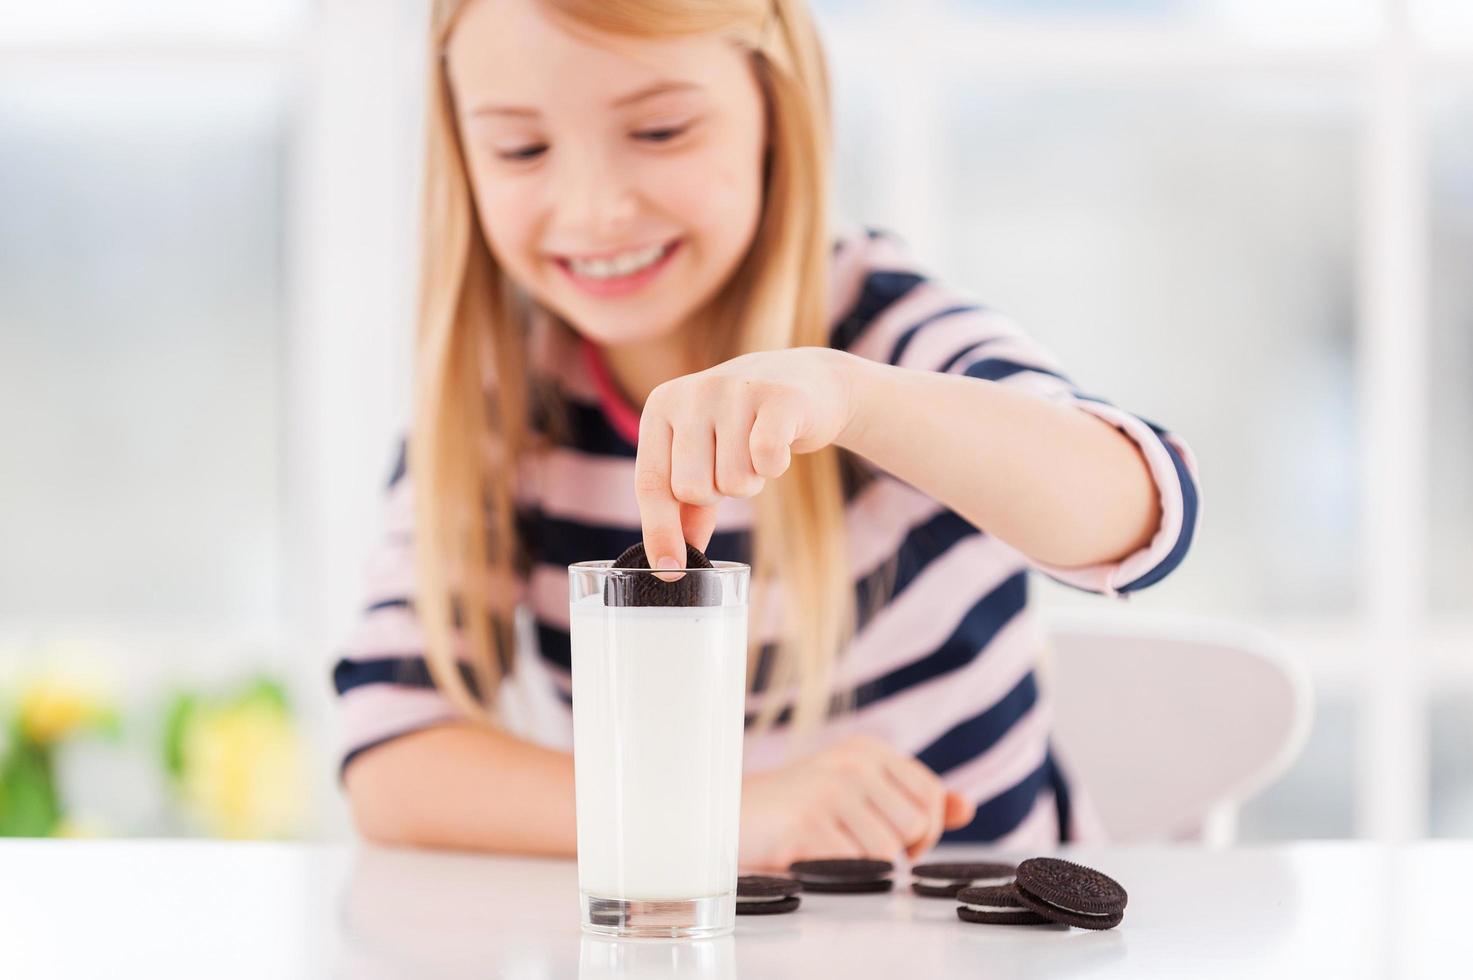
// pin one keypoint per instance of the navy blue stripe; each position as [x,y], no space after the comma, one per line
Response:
[966,741]
[880,289]
[950,362]
[389,604]
[1005,811]
[555,646]
[922,545]
[406,671]
[401,464]
[403,603]
[590,430]
[898,351]
[1062,805]
[561,542]
[997,368]
[974,633]
[762,674]
[1190,505]
[1188,525]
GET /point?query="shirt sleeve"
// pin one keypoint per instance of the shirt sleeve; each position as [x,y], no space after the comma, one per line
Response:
[898,315]
[383,683]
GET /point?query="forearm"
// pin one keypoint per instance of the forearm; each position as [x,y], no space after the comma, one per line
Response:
[1060,485]
[466,787]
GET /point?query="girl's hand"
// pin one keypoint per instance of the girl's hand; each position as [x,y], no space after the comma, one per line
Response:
[724,432]
[858,798]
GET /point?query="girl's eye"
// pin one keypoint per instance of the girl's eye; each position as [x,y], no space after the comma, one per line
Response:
[523,153]
[664,134]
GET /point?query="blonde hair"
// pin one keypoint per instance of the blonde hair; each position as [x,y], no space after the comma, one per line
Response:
[464,445]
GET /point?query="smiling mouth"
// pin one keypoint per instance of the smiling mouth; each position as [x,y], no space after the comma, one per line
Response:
[619,272]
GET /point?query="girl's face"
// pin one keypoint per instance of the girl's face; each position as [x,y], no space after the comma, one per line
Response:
[618,180]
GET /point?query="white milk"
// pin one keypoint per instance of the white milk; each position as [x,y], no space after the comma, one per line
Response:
[658,696]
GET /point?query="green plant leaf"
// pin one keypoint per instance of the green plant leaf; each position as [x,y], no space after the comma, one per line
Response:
[29,806]
[176,718]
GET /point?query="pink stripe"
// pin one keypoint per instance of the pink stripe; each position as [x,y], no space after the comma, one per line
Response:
[376,711]
[579,486]
[390,574]
[770,750]
[385,633]
[548,594]
[1108,576]
[398,510]
[1016,754]
[562,680]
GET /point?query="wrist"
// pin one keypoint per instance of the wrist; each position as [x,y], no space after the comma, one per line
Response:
[860,380]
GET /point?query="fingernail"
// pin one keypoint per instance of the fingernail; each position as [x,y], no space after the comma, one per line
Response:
[667,562]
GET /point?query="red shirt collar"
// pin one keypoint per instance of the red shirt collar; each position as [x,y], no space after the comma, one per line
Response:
[623,416]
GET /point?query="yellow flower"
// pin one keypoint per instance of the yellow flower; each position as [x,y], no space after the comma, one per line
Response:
[55,706]
[242,772]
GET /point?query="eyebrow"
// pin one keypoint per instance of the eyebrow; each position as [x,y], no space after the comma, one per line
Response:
[638,95]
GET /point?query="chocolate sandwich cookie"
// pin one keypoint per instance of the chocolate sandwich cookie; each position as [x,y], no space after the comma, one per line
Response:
[766,895]
[944,880]
[1070,893]
[847,875]
[650,590]
[995,905]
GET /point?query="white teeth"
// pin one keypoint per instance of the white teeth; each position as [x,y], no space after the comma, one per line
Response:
[624,264]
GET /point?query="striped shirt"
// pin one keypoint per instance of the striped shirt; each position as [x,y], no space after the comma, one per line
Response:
[945,668]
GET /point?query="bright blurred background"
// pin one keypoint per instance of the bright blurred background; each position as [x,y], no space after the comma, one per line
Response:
[1249,220]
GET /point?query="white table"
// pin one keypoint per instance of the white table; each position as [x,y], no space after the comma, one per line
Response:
[196,909]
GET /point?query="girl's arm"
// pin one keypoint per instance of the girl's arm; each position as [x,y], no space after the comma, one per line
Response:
[467,787]
[1060,485]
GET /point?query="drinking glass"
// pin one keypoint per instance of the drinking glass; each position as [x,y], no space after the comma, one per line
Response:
[659,686]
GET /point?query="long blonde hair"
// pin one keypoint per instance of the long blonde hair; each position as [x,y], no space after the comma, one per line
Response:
[464,445]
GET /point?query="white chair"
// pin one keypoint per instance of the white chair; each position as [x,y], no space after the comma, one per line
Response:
[1168,723]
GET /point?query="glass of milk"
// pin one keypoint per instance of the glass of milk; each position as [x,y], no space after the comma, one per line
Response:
[658,699]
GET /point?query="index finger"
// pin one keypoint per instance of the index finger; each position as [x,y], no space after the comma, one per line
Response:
[659,511]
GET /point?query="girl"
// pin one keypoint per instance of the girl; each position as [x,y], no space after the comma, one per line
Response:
[636,324]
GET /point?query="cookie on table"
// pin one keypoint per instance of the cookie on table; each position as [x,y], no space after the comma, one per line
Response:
[1070,893]
[766,895]
[843,875]
[945,879]
[996,905]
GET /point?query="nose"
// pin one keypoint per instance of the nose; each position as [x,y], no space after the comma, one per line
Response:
[594,196]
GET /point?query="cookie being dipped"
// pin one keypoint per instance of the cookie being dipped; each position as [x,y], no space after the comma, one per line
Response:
[651,590]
